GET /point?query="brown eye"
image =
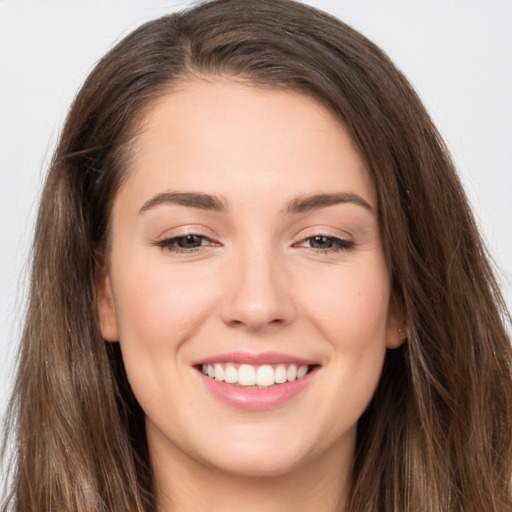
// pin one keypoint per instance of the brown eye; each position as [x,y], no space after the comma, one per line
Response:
[184,243]
[322,242]
[189,241]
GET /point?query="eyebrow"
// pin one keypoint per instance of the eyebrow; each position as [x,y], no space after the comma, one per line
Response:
[297,205]
[318,201]
[190,199]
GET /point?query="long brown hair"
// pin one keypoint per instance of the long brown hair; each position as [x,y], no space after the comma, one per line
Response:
[437,436]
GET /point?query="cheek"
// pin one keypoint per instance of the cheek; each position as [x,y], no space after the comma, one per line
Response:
[160,305]
[350,305]
[351,314]
[159,309]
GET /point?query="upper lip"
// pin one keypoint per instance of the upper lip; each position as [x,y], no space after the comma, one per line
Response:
[255,359]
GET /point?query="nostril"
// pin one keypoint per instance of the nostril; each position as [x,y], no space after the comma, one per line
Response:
[255,323]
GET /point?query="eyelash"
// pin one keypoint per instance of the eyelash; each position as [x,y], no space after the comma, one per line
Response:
[336,244]
[170,244]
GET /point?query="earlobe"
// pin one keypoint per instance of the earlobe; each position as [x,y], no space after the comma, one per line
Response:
[396,338]
[106,308]
[396,325]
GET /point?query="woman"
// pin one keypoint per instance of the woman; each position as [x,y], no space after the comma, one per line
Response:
[257,284]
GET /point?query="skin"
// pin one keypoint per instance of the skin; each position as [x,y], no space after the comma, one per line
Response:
[258,282]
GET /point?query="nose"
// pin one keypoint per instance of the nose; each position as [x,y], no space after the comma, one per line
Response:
[258,292]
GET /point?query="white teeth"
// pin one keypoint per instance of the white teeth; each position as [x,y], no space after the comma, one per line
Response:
[265,375]
[280,374]
[301,371]
[230,374]
[248,375]
[219,372]
[291,373]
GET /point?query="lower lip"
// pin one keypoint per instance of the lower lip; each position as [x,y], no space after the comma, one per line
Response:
[257,399]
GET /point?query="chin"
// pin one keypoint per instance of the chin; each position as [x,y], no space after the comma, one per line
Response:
[262,453]
[256,464]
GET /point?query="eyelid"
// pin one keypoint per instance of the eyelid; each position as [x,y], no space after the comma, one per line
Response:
[323,230]
[185,230]
[344,240]
[168,240]
[340,244]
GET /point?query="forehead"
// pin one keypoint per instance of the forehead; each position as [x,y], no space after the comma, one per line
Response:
[222,136]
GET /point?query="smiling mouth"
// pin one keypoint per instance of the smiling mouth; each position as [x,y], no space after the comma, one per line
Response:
[261,376]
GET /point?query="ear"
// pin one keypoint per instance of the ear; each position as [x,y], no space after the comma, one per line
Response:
[396,323]
[106,307]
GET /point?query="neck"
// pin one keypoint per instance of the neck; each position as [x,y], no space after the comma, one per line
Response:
[185,485]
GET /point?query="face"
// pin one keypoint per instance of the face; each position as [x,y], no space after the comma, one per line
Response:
[246,282]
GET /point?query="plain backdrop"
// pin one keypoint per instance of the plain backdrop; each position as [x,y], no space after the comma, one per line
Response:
[456,53]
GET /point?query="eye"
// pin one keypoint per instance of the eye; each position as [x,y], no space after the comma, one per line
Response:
[184,243]
[324,243]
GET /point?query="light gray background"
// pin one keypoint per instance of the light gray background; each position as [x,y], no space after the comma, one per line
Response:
[457,54]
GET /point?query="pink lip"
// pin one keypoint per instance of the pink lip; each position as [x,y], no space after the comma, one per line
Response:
[255,359]
[250,398]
